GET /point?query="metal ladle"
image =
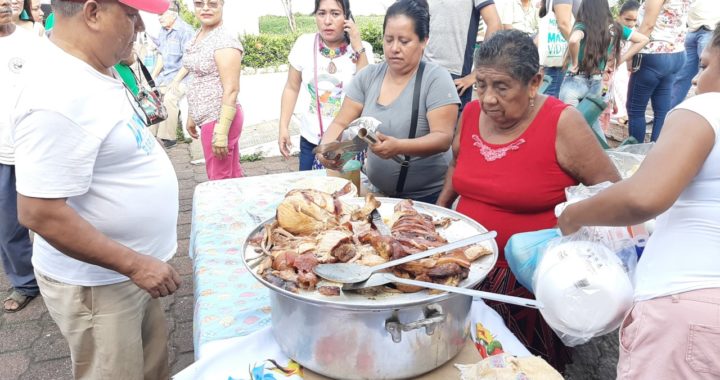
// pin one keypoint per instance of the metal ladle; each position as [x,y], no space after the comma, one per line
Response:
[349,273]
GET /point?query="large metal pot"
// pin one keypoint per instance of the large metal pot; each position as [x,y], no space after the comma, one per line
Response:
[378,336]
[342,343]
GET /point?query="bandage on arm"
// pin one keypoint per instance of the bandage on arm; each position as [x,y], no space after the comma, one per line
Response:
[222,128]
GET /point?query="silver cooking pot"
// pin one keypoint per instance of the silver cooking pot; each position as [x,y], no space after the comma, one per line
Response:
[377,335]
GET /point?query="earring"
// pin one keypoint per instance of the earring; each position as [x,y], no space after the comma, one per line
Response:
[532,102]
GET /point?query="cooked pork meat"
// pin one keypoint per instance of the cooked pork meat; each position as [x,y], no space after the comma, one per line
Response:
[314,227]
[329,291]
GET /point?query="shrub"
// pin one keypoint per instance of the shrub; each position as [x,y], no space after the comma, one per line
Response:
[372,34]
[267,49]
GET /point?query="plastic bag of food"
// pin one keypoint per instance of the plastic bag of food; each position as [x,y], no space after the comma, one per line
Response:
[584,286]
[524,251]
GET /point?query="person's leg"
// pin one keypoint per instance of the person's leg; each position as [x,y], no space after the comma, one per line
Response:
[683,80]
[595,87]
[557,75]
[108,329]
[672,337]
[574,88]
[662,96]
[184,112]
[641,86]
[154,338]
[233,159]
[306,154]
[206,132]
[167,130]
[15,245]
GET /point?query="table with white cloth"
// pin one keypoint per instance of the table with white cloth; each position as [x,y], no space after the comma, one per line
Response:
[231,306]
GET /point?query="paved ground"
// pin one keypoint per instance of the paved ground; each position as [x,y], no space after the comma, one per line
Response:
[31,346]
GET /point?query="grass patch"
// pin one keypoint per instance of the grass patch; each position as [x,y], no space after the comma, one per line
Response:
[257,156]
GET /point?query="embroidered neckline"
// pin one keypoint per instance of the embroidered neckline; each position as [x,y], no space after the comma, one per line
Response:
[491,154]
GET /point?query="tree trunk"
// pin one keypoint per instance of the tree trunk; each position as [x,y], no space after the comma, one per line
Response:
[287,4]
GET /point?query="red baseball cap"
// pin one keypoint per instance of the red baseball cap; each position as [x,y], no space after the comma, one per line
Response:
[152,6]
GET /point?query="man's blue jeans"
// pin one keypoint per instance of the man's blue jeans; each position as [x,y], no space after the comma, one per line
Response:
[695,43]
[557,74]
[653,81]
[15,245]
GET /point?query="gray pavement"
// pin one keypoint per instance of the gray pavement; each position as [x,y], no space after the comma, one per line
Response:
[31,346]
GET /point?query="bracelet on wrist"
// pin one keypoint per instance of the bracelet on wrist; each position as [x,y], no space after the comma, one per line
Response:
[355,56]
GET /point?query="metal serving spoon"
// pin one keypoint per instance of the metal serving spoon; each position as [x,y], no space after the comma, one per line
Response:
[348,273]
[378,279]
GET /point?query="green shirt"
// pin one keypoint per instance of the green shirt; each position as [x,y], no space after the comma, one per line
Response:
[128,77]
[626,33]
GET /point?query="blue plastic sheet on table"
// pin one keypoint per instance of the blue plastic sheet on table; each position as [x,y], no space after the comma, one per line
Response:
[523,253]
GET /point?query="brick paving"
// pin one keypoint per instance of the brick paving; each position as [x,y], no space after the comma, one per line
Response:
[31,346]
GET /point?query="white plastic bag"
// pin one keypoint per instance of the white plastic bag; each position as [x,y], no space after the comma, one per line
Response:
[584,286]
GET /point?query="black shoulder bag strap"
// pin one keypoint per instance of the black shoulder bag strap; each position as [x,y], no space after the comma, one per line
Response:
[405,165]
[148,77]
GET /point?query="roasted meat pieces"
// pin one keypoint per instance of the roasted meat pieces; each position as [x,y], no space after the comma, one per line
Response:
[313,227]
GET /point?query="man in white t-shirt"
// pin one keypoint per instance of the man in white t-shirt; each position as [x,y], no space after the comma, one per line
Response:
[453,30]
[16,47]
[99,191]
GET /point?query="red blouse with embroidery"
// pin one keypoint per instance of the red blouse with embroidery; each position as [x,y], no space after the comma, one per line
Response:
[513,187]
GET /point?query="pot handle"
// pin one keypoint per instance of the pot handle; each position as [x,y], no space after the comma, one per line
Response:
[433,317]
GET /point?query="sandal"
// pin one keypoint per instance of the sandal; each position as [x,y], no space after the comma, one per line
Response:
[20,299]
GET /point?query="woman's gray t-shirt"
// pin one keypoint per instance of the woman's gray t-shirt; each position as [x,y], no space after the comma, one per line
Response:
[426,174]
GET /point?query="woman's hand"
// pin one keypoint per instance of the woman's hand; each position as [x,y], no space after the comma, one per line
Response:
[328,163]
[463,84]
[353,33]
[386,147]
[221,152]
[284,142]
[192,128]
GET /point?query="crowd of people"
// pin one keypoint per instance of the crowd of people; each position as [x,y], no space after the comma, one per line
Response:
[85,168]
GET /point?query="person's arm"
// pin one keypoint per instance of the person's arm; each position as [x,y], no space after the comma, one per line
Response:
[158,66]
[349,111]
[181,74]
[228,61]
[574,49]
[564,16]
[287,105]
[490,16]
[657,184]
[652,11]
[72,235]
[356,43]
[579,153]
[442,125]
[448,195]
[639,41]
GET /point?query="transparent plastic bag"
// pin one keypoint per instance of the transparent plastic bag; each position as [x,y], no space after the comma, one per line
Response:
[584,286]
[348,153]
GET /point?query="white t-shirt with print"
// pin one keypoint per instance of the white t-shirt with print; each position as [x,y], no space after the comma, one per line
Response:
[331,86]
[15,52]
[78,136]
[683,254]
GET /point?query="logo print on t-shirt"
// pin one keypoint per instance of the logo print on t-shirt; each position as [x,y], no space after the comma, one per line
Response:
[331,95]
[16,64]
[145,141]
